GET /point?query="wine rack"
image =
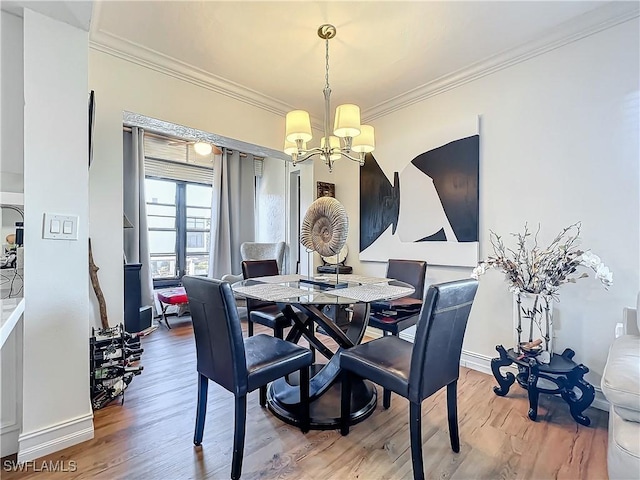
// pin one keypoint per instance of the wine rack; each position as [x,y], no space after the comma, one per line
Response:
[114,357]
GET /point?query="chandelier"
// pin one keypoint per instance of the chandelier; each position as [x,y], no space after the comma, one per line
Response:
[350,139]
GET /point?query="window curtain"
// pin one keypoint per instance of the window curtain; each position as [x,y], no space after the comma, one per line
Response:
[136,239]
[232,211]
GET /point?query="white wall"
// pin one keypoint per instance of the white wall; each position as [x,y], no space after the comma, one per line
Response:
[56,408]
[11,150]
[558,143]
[121,85]
[271,202]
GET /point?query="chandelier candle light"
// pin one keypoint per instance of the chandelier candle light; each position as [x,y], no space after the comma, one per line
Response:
[357,140]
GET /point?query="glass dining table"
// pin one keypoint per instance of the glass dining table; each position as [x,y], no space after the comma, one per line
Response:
[295,294]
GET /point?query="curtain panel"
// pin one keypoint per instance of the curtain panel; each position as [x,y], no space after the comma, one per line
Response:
[136,239]
[232,211]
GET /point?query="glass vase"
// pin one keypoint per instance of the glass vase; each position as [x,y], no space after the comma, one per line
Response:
[533,320]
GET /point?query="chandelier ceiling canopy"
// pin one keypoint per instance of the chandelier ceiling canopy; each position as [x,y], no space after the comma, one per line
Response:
[350,139]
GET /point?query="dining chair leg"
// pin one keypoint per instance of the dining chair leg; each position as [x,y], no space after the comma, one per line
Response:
[452,413]
[278,332]
[238,436]
[249,326]
[304,399]
[386,398]
[201,411]
[345,403]
[415,430]
[263,396]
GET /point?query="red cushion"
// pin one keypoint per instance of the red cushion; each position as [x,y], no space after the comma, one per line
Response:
[174,296]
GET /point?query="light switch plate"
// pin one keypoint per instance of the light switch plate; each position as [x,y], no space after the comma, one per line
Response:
[69,224]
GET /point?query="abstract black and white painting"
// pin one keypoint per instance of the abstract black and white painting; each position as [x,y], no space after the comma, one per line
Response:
[427,207]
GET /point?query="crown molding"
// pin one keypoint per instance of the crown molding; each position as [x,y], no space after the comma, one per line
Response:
[162,127]
[145,57]
[597,20]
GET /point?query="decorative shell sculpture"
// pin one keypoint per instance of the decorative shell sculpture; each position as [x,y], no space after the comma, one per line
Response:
[325,226]
[339,257]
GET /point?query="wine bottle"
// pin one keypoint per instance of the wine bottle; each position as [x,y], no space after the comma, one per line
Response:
[109,353]
[105,373]
[133,351]
[132,359]
[132,342]
[129,376]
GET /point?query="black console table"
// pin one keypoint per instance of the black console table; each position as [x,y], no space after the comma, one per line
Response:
[561,376]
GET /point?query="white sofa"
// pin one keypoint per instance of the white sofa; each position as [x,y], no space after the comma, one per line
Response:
[621,385]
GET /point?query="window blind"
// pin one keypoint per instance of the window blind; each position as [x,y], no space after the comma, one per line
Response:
[176,160]
[154,167]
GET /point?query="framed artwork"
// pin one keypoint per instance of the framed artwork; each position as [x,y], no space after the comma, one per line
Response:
[424,206]
[92,121]
[326,189]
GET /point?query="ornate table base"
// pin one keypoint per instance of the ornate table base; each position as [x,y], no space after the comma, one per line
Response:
[562,376]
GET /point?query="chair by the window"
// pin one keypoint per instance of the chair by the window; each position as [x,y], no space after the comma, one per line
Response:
[236,364]
[258,251]
[258,311]
[417,371]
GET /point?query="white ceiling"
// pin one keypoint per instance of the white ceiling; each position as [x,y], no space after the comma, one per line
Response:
[74,12]
[271,51]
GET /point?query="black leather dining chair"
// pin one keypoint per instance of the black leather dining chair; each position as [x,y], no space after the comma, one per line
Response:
[412,272]
[416,371]
[236,364]
[259,311]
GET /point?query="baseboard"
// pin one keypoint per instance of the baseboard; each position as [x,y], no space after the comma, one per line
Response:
[476,361]
[36,444]
[377,333]
[9,439]
[482,363]
[600,402]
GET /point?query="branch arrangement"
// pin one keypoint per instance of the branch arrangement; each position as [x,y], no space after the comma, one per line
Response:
[532,269]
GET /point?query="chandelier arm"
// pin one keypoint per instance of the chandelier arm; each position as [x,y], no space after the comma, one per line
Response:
[359,158]
[306,155]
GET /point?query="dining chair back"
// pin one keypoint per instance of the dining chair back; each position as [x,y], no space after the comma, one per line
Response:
[409,271]
[259,311]
[236,364]
[412,272]
[417,370]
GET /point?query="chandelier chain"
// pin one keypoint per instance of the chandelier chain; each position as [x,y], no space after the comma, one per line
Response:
[326,75]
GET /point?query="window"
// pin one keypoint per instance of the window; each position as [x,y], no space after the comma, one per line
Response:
[179,220]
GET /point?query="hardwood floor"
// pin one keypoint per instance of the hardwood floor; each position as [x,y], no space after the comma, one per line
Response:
[151,435]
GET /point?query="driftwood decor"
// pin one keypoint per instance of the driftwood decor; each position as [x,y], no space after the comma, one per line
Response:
[95,283]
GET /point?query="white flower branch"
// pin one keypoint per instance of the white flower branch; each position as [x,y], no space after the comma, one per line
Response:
[543,271]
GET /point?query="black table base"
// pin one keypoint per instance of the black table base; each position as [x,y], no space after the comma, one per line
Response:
[283,395]
[324,410]
[561,376]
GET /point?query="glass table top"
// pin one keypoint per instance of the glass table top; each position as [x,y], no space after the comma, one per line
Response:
[322,290]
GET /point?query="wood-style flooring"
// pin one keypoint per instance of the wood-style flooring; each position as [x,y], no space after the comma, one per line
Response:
[151,435]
